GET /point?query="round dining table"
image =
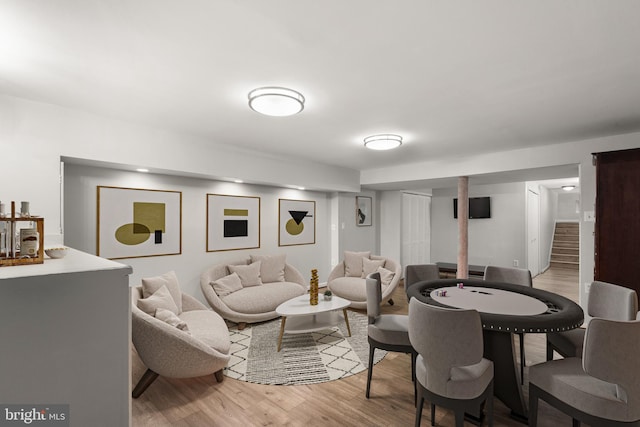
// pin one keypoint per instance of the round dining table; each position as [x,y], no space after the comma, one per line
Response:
[505,309]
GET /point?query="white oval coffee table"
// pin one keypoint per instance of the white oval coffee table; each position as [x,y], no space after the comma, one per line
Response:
[299,316]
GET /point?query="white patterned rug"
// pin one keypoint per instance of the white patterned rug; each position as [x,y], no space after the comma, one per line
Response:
[304,358]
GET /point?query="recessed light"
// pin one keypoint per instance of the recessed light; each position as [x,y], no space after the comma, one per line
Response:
[301,188]
[568,187]
[142,170]
[385,141]
[238,181]
[276,101]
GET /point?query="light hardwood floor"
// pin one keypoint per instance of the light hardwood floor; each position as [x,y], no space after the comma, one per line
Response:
[204,402]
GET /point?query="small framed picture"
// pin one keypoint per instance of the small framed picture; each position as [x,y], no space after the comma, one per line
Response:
[364,211]
[297,222]
[233,222]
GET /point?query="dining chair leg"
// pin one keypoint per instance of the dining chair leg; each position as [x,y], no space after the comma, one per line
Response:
[522,359]
[419,408]
[433,414]
[372,350]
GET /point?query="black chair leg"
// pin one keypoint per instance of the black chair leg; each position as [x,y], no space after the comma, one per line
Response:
[433,414]
[522,359]
[549,351]
[372,350]
[146,380]
[419,408]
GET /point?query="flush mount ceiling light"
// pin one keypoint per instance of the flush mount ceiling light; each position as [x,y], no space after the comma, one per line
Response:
[568,187]
[276,101]
[383,141]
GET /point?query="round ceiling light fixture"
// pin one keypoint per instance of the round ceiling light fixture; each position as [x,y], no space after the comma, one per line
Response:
[568,187]
[276,101]
[385,141]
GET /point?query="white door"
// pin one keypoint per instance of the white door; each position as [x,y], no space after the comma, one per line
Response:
[416,229]
[533,232]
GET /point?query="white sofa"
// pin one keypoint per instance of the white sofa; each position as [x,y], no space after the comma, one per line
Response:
[347,279]
[247,301]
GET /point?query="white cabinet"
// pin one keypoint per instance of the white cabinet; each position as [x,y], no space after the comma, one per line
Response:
[65,331]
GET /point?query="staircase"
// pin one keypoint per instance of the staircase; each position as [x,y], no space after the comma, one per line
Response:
[565,250]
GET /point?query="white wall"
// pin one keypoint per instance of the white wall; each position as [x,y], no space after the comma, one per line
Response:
[567,203]
[548,209]
[351,236]
[492,241]
[80,223]
[34,136]
[390,224]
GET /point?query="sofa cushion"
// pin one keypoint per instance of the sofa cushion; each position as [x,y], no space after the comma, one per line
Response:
[227,284]
[351,288]
[171,318]
[160,299]
[151,284]
[249,274]
[386,276]
[371,266]
[208,327]
[353,263]
[262,299]
[271,267]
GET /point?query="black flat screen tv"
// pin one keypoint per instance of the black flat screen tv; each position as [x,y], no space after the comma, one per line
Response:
[479,207]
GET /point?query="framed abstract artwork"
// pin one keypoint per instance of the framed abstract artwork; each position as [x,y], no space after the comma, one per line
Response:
[363,211]
[297,222]
[134,222]
[233,222]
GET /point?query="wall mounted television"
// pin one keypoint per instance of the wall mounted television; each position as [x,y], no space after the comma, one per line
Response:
[479,207]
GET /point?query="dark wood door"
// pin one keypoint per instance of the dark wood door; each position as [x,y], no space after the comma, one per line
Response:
[617,231]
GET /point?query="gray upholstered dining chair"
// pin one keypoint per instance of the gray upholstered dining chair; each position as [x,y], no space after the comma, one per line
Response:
[450,369]
[603,387]
[517,276]
[418,273]
[388,332]
[607,301]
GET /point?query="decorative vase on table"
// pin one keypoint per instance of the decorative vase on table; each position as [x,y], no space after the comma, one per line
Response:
[313,288]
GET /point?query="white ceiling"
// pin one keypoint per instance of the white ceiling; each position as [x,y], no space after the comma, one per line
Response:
[451,76]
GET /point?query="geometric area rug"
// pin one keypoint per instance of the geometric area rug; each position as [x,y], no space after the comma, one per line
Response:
[309,358]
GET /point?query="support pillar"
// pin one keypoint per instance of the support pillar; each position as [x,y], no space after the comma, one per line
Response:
[463,228]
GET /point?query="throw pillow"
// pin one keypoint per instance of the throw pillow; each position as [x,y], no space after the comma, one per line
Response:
[353,263]
[170,280]
[386,276]
[170,318]
[371,266]
[249,274]
[227,284]
[160,299]
[271,267]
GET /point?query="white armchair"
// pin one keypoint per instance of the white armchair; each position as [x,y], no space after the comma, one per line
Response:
[348,279]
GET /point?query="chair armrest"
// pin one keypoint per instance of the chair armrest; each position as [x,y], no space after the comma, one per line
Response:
[293,275]
[189,303]
[338,271]
[161,345]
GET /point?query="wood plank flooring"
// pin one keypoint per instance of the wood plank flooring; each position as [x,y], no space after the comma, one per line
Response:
[204,402]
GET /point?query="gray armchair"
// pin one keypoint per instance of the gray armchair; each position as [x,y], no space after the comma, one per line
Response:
[168,351]
[419,273]
[388,332]
[607,301]
[450,369]
[517,276]
[603,387]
